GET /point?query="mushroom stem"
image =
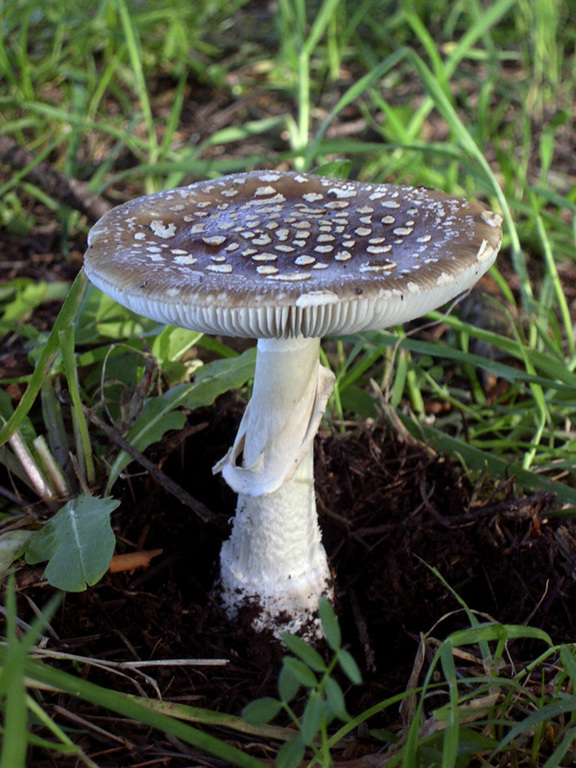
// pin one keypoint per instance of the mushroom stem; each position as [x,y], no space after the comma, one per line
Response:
[274,558]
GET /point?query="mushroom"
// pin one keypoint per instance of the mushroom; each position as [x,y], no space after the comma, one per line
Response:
[286,258]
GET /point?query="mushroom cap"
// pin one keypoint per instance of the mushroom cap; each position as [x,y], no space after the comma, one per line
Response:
[269,254]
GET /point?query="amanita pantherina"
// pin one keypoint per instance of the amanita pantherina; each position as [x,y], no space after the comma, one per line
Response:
[286,258]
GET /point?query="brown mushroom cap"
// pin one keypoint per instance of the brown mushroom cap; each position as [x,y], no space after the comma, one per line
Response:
[271,254]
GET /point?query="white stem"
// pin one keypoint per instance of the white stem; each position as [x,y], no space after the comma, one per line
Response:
[39,482]
[274,557]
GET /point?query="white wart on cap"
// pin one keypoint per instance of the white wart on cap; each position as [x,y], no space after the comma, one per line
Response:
[271,255]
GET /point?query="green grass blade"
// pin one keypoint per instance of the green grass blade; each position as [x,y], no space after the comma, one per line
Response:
[124,706]
[14,741]
[13,691]
[566,705]
[451,733]
[557,286]
[320,24]
[13,656]
[348,97]
[83,443]
[557,758]
[135,57]
[486,18]
[484,461]
[51,349]
[462,134]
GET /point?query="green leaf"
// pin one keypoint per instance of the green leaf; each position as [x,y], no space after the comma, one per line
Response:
[78,543]
[30,294]
[335,698]
[225,374]
[313,717]
[262,710]
[567,659]
[288,685]
[492,630]
[172,343]
[6,409]
[301,672]
[11,545]
[330,624]
[101,317]
[349,667]
[305,652]
[291,754]
[157,416]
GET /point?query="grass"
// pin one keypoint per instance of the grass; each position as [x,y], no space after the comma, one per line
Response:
[470,97]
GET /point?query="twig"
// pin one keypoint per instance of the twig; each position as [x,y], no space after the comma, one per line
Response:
[363,634]
[74,193]
[123,665]
[170,485]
